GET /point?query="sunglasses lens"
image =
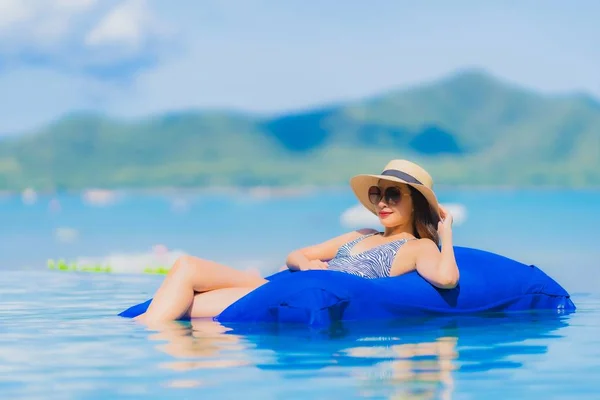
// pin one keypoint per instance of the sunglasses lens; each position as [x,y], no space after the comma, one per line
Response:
[374,195]
[393,195]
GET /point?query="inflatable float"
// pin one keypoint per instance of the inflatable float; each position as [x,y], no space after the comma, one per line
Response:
[488,283]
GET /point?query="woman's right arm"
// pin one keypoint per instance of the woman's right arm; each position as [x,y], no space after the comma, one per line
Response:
[311,257]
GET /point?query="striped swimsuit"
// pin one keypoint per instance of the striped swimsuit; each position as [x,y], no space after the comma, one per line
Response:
[371,264]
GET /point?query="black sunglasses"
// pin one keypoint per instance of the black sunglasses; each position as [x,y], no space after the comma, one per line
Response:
[392,195]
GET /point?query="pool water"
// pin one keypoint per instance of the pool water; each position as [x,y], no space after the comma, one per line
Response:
[60,338]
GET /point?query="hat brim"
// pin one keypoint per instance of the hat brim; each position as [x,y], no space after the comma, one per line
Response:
[360,185]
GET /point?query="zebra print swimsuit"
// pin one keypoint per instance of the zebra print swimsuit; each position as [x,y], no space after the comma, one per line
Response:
[371,264]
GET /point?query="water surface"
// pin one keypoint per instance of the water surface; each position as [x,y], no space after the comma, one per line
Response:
[60,336]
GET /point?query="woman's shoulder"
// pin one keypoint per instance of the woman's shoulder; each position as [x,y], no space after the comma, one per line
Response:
[423,244]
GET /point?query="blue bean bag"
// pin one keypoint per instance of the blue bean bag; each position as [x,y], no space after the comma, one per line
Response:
[488,283]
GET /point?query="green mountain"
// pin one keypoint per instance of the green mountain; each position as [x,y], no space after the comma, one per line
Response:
[469,128]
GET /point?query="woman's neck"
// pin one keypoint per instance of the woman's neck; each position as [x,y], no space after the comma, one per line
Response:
[398,230]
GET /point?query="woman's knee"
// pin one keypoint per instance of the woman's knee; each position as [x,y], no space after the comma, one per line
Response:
[186,265]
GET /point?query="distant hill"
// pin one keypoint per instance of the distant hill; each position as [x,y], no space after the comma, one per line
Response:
[469,128]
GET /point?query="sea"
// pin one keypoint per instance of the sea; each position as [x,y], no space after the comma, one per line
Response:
[61,338]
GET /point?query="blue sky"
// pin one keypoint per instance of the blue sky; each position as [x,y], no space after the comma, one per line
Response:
[131,58]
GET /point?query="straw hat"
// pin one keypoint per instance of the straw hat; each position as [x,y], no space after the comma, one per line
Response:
[401,171]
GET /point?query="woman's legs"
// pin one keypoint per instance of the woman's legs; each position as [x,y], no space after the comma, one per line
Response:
[212,303]
[190,275]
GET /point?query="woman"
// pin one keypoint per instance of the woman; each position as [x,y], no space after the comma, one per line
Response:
[402,198]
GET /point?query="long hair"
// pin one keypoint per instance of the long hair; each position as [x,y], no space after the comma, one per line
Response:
[425,220]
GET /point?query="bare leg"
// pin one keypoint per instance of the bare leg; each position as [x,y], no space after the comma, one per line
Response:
[189,276]
[212,303]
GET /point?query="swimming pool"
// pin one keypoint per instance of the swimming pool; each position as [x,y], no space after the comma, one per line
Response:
[60,338]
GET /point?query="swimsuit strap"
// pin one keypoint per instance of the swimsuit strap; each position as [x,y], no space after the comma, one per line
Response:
[359,239]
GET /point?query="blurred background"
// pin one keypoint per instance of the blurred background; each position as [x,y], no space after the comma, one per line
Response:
[133,131]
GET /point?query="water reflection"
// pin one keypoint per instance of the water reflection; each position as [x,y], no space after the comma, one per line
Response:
[408,358]
[421,370]
[197,345]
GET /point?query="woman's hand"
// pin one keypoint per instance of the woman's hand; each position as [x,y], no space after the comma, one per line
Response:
[445,224]
[313,264]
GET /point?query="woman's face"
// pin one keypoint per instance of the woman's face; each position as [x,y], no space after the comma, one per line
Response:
[393,203]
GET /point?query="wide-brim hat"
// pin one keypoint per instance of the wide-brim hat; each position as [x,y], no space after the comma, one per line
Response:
[400,171]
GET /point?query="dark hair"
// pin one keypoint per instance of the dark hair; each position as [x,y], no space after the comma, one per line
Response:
[425,219]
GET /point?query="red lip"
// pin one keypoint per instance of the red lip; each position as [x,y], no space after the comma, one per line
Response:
[384,214]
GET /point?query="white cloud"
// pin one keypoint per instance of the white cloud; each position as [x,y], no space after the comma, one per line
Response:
[80,36]
[13,12]
[58,56]
[126,24]
[27,21]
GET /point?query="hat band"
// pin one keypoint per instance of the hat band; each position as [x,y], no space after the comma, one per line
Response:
[401,175]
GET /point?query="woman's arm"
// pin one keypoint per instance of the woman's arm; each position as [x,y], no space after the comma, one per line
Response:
[310,257]
[439,267]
